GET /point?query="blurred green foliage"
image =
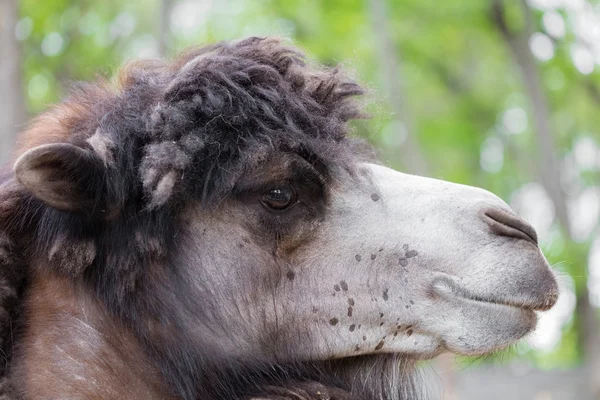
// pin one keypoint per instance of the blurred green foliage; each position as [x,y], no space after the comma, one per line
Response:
[460,84]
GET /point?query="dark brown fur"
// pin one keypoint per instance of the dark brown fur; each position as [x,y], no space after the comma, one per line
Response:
[70,338]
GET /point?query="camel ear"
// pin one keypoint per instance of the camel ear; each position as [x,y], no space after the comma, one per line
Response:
[63,176]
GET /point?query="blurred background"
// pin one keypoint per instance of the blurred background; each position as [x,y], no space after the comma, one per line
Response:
[501,94]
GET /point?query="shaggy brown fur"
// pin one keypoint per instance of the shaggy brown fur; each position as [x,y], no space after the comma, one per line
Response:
[97,280]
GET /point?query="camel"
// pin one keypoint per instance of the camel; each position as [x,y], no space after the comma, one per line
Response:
[208,228]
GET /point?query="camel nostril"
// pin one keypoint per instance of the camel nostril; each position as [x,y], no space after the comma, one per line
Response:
[507,224]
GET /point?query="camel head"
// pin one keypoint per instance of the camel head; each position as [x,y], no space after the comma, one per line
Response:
[217,207]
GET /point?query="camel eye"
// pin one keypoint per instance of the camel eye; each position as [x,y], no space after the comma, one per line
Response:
[279,198]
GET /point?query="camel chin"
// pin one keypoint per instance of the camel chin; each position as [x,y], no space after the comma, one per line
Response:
[481,327]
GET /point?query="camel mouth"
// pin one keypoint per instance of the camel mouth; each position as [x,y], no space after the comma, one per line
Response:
[445,286]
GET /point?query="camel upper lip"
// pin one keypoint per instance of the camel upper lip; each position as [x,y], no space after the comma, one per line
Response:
[446,286]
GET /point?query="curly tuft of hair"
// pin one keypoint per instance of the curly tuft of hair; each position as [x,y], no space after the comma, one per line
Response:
[228,97]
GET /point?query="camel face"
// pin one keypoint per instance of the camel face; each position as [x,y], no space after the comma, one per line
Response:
[377,262]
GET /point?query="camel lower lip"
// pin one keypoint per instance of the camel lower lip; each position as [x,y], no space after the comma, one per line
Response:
[446,287]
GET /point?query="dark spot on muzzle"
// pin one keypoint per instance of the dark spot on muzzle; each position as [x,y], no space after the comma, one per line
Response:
[291,275]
